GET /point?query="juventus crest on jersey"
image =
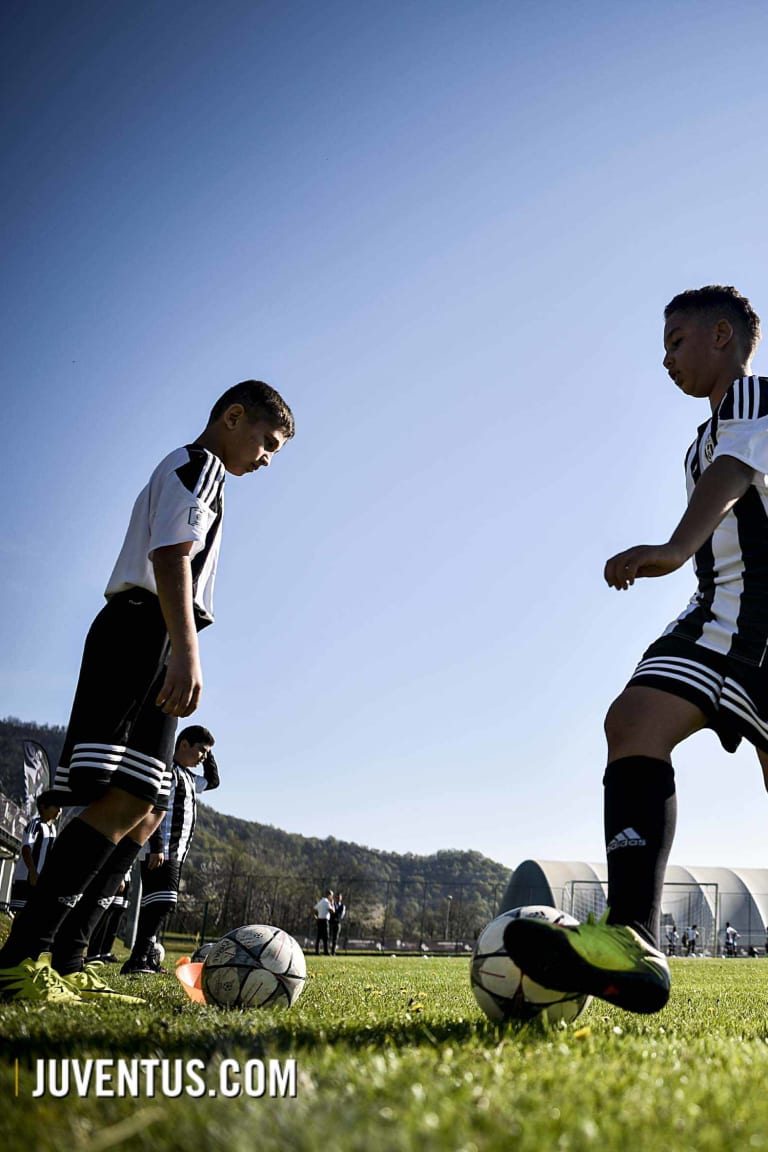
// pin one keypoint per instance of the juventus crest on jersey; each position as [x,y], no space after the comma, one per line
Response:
[729,612]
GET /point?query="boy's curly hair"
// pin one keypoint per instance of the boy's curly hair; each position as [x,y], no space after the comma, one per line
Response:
[720,301]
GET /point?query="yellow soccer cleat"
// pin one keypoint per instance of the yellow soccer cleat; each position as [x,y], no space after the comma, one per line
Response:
[611,961]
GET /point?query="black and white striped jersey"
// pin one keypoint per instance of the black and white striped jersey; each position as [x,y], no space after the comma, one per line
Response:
[39,836]
[729,612]
[174,835]
[183,502]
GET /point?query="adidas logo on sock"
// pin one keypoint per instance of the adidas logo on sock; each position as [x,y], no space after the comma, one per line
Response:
[629,838]
[70,901]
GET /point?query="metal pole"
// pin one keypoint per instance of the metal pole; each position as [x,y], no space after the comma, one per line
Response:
[423,915]
[386,915]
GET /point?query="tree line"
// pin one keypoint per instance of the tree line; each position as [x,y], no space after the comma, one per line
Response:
[239,871]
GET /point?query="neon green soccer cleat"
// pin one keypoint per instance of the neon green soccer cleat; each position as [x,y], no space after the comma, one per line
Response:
[36,980]
[88,985]
[610,961]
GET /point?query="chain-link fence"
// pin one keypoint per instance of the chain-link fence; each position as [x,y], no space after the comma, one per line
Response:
[381,915]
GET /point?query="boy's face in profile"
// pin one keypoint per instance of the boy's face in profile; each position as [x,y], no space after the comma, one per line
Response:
[248,444]
[697,352]
[190,755]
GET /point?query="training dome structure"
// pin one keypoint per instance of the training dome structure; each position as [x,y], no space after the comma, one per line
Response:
[706,897]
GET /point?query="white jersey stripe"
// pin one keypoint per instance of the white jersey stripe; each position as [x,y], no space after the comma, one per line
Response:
[729,613]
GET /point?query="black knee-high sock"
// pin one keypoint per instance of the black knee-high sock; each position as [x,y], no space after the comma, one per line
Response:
[151,919]
[640,816]
[76,858]
[72,938]
[103,935]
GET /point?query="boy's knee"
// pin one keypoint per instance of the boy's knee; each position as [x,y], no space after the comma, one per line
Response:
[147,825]
[649,722]
[632,729]
[619,719]
[116,812]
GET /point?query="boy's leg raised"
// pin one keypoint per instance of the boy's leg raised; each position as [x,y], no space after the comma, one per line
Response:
[619,959]
[642,727]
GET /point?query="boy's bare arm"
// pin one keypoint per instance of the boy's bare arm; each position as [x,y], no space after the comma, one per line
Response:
[27,857]
[180,693]
[722,484]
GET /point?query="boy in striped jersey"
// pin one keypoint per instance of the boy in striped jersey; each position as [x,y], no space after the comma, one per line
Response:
[140,672]
[708,670]
[39,838]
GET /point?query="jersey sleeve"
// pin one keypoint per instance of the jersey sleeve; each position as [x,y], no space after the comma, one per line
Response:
[742,429]
[181,507]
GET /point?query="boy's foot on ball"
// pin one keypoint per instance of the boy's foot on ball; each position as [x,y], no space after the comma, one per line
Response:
[610,961]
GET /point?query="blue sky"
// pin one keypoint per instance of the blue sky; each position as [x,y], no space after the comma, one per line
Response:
[446,232]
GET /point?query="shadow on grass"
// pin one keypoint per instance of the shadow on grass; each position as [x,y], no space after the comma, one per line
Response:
[223,1036]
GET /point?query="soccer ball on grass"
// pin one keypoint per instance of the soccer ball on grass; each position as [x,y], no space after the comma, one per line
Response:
[252,967]
[502,990]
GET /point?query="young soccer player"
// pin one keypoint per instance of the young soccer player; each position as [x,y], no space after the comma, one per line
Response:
[708,669]
[170,842]
[39,838]
[140,672]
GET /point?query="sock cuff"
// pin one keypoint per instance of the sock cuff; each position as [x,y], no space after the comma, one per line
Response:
[647,767]
[90,839]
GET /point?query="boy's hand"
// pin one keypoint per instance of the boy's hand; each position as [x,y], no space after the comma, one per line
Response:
[211,771]
[183,684]
[622,570]
[721,486]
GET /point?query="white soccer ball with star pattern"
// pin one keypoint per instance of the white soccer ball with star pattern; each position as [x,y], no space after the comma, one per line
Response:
[503,991]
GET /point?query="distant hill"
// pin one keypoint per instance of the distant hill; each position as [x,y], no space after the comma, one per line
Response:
[274,876]
[243,872]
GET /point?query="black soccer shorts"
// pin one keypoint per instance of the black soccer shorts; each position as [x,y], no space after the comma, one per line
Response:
[117,735]
[160,885]
[732,693]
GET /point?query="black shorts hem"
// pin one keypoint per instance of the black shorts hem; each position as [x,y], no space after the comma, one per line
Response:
[722,687]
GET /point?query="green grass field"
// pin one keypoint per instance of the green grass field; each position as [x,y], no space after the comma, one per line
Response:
[394,1054]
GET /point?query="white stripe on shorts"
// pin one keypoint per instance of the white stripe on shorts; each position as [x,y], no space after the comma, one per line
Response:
[698,676]
[735,699]
[112,758]
[169,897]
[104,755]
